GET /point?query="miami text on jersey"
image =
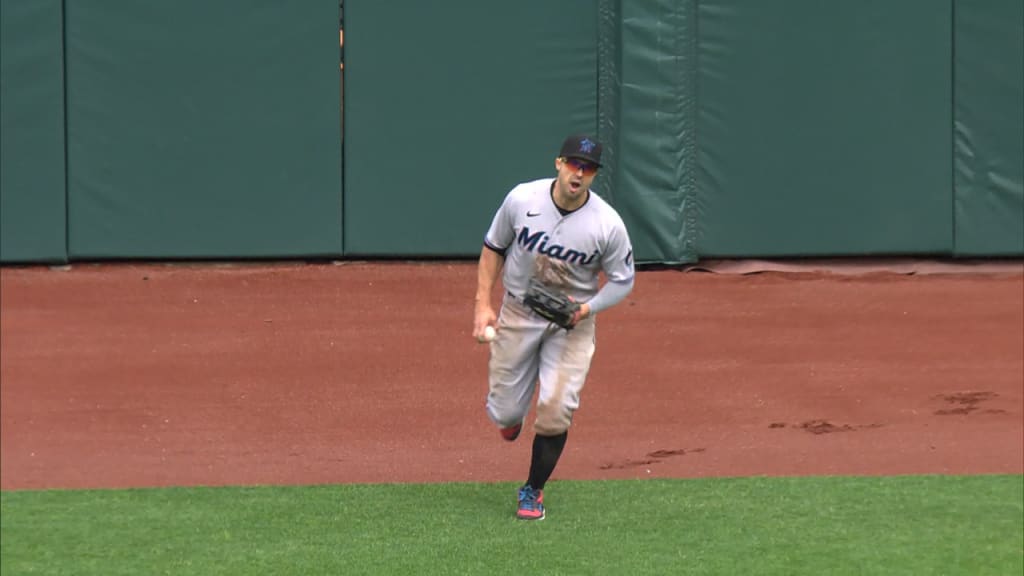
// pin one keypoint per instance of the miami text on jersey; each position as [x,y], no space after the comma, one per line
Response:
[539,241]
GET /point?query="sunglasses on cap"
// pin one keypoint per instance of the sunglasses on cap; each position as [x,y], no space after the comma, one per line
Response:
[576,164]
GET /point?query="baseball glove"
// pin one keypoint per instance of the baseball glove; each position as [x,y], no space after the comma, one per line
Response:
[553,306]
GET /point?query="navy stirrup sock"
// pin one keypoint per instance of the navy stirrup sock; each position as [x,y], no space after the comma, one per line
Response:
[546,452]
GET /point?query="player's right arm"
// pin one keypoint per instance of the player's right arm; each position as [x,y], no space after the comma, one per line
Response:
[486,275]
[497,241]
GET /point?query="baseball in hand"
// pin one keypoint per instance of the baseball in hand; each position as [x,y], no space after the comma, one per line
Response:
[488,334]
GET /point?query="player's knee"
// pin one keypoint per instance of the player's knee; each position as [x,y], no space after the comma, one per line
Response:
[552,420]
[505,417]
[550,429]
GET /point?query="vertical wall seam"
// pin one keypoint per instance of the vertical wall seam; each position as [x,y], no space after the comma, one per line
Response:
[689,136]
[64,122]
[952,124]
[341,135]
[608,54]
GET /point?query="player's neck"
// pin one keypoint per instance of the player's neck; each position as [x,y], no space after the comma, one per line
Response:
[565,203]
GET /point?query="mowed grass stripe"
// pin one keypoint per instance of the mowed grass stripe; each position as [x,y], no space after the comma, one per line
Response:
[818,525]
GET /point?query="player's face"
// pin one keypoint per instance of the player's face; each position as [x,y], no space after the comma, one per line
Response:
[574,177]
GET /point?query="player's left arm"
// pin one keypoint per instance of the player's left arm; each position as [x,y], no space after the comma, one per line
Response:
[618,267]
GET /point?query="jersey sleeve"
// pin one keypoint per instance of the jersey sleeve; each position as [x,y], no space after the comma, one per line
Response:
[501,233]
[617,261]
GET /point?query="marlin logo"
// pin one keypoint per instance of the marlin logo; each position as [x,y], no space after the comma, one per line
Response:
[587,145]
[538,241]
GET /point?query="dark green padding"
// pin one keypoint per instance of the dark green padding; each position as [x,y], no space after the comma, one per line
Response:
[203,129]
[32,198]
[450,104]
[732,128]
[652,130]
[989,153]
[824,128]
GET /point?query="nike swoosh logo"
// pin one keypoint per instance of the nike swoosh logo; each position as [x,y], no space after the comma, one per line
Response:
[532,214]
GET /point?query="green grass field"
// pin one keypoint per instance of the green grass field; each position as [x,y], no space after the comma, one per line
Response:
[823,525]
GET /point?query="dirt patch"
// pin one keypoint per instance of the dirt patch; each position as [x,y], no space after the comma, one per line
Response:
[964,403]
[824,426]
[656,457]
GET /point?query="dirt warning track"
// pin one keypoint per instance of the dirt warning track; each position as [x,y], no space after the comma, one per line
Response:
[155,375]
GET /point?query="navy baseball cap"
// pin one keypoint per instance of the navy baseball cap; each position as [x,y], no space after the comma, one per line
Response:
[581,146]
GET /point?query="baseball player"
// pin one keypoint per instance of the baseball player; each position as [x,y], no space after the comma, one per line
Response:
[551,238]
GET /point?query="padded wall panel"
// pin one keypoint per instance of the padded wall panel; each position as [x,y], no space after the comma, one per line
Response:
[203,129]
[824,127]
[448,105]
[653,128]
[989,73]
[32,193]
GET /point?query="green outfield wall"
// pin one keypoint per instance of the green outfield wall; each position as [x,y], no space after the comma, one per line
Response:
[824,128]
[203,129]
[450,104]
[33,209]
[988,84]
[212,130]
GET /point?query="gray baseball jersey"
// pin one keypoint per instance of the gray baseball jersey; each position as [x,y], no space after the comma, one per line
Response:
[565,252]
